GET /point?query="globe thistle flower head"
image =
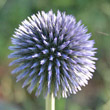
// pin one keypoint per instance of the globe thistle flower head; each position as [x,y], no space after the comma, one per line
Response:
[53,54]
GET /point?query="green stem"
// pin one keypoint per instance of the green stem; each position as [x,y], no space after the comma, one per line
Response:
[50,102]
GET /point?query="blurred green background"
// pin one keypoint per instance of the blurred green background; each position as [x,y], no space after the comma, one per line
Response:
[93,13]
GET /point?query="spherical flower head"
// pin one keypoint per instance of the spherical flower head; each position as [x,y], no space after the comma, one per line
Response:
[53,54]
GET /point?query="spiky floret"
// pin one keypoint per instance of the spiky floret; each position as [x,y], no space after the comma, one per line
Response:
[54,54]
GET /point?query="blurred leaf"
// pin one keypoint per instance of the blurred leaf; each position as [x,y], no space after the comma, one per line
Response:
[63,3]
[2,3]
[73,106]
[28,105]
[7,106]
[106,8]
[106,106]
[60,104]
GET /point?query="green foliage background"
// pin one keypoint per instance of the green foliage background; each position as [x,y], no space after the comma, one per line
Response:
[95,14]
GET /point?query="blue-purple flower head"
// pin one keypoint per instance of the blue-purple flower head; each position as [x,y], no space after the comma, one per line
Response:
[53,54]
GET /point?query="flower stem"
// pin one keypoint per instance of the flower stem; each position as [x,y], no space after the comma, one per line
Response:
[50,102]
